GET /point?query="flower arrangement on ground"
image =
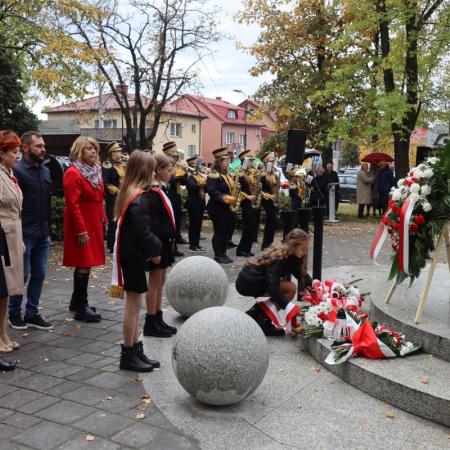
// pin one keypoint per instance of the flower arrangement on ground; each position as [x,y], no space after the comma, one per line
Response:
[418,209]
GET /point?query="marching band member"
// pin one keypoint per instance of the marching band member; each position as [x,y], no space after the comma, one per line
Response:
[248,180]
[220,187]
[113,171]
[296,187]
[178,178]
[269,188]
[195,204]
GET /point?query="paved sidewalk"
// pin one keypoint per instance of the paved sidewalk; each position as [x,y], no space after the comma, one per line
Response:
[68,387]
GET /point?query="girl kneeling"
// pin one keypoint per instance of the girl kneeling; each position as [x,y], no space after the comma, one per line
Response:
[135,246]
[265,276]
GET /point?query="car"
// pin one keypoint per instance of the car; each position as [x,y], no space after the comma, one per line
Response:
[57,166]
[347,183]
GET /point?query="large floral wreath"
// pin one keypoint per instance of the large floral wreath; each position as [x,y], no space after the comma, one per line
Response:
[418,210]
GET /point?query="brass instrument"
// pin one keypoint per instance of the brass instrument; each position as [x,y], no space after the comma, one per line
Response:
[256,188]
[236,193]
[276,188]
[297,180]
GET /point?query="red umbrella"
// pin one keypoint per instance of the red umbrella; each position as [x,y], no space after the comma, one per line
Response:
[377,158]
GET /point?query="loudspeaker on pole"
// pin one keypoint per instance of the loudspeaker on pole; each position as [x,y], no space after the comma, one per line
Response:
[295,153]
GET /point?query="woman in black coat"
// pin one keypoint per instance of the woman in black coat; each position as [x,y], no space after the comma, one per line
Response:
[135,246]
[163,224]
[266,276]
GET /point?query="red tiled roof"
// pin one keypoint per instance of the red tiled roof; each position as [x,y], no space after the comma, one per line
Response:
[110,103]
[257,105]
[221,107]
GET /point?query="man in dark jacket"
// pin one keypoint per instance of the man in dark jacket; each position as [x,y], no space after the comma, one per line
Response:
[34,180]
[385,181]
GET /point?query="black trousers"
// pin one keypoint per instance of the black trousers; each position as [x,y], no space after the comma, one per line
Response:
[361,207]
[271,222]
[178,213]
[195,209]
[223,221]
[248,227]
[110,201]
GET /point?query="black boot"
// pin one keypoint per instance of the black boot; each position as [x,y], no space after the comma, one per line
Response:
[139,348]
[129,360]
[152,328]
[269,329]
[162,324]
[79,302]
[5,365]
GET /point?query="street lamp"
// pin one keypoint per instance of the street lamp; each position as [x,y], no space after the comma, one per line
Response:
[239,91]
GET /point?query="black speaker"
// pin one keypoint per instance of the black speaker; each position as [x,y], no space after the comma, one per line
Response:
[296,146]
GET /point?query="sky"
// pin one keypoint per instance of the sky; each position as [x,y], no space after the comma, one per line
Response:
[229,67]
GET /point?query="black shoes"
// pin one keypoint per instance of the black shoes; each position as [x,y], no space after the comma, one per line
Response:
[196,249]
[6,366]
[231,244]
[15,321]
[87,314]
[178,253]
[182,241]
[228,259]
[162,324]
[153,328]
[130,360]
[268,328]
[244,254]
[223,259]
[37,321]
[139,349]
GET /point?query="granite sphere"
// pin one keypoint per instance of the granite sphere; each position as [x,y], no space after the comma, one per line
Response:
[196,283]
[220,355]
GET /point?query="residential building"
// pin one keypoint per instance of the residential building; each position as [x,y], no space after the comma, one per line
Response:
[182,126]
[225,125]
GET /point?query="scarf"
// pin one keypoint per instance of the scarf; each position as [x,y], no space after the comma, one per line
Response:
[92,173]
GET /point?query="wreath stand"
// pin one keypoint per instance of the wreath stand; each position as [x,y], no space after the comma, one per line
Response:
[424,295]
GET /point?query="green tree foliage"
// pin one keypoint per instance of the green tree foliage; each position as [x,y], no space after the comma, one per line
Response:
[14,113]
[276,142]
[349,155]
[356,70]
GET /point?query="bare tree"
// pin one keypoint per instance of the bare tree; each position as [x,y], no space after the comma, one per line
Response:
[147,51]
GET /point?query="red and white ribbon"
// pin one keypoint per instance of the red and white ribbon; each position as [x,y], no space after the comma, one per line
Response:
[364,343]
[283,318]
[380,237]
[403,249]
[167,205]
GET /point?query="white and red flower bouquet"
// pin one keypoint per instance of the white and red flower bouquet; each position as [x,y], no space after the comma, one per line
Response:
[373,341]
[417,211]
[325,300]
[335,313]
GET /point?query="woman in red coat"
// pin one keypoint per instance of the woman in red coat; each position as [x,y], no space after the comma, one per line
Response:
[83,222]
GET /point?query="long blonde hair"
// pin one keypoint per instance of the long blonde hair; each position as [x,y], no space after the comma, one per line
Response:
[138,174]
[78,145]
[277,252]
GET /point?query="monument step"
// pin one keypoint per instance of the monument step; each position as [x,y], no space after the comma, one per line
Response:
[418,384]
[434,330]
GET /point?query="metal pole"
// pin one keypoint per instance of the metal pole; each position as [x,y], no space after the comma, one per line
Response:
[318,213]
[303,218]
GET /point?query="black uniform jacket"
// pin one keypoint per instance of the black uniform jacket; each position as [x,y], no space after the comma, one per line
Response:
[137,240]
[271,275]
[218,187]
[160,221]
[195,190]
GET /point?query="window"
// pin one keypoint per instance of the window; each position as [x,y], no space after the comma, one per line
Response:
[229,138]
[242,139]
[191,150]
[194,128]
[232,114]
[175,129]
[107,123]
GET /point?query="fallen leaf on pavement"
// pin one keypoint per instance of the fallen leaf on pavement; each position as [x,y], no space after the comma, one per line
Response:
[25,335]
[315,369]
[425,380]
[140,416]
[145,396]
[107,398]
[138,378]
[68,319]
[67,333]
[89,437]
[147,401]
[390,415]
